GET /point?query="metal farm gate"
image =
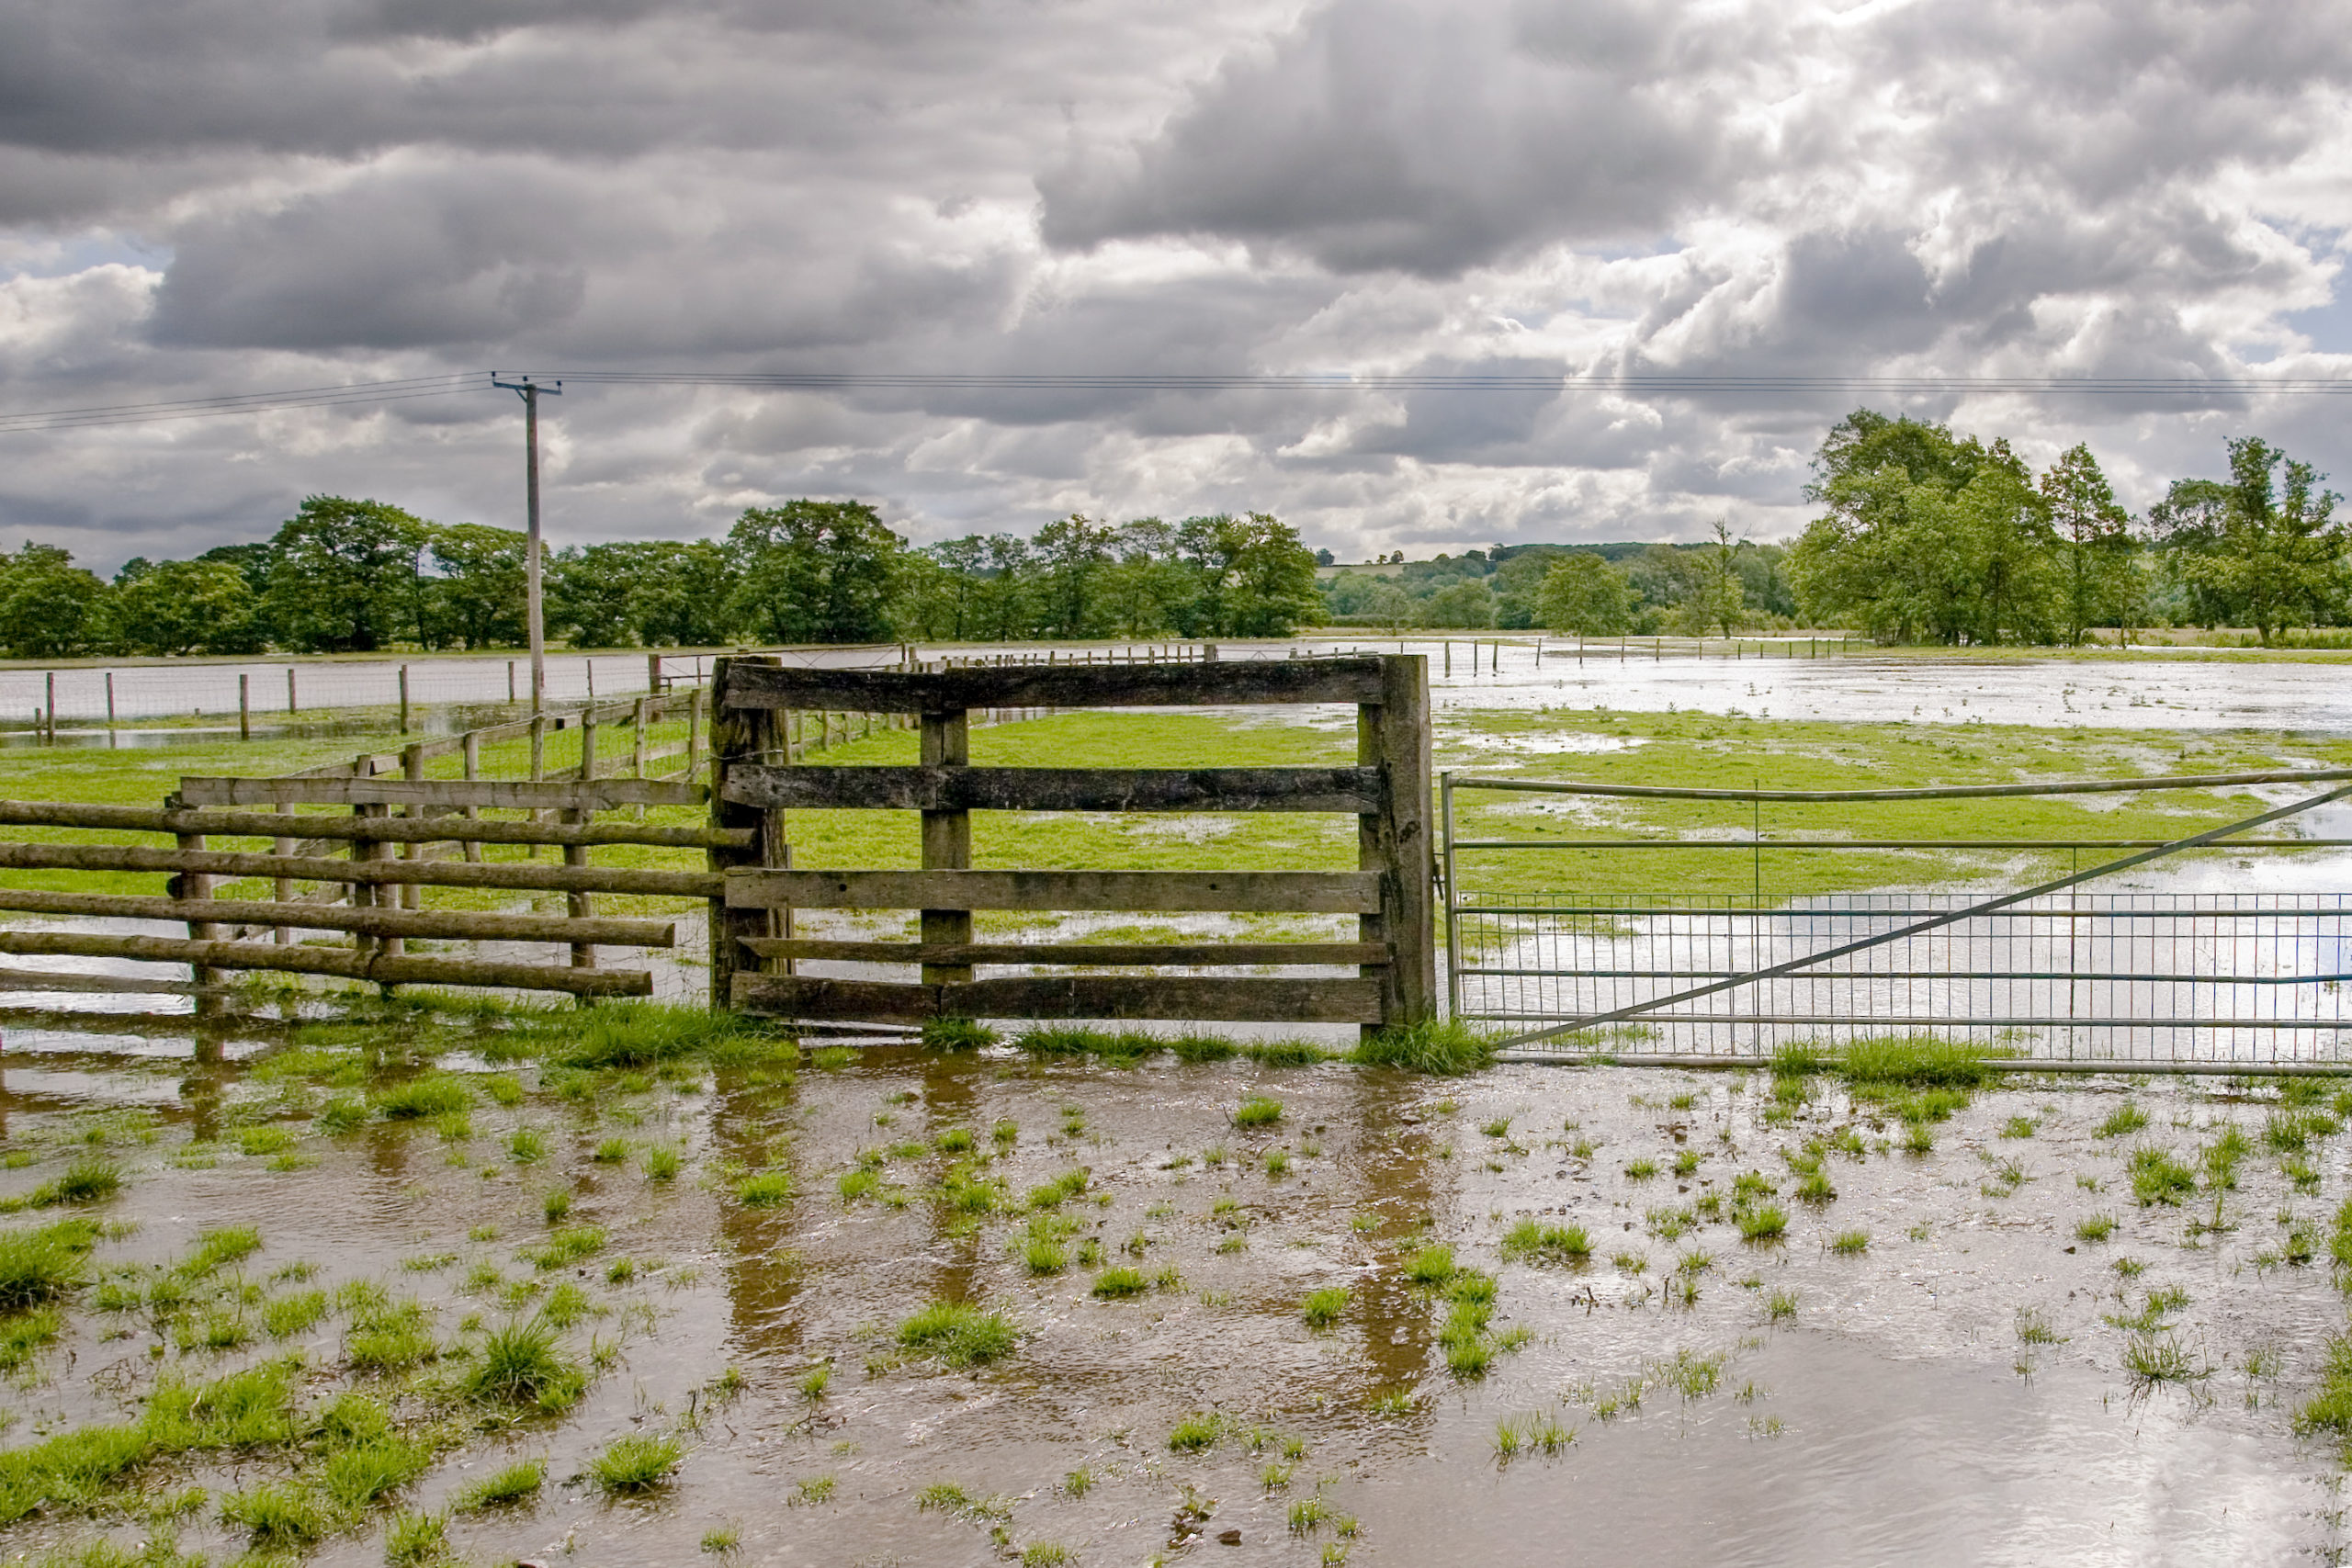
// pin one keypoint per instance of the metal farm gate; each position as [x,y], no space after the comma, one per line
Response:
[2226,980]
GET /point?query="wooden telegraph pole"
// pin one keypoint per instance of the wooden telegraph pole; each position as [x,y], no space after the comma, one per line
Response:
[529,391]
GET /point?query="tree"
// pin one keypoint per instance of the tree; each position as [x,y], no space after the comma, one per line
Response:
[186,606]
[685,596]
[814,572]
[2098,584]
[343,575]
[1252,577]
[1074,553]
[50,608]
[477,598]
[1148,593]
[592,593]
[1926,536]
[1586,595]
[1718,598]
[2264,549]
[1469,604]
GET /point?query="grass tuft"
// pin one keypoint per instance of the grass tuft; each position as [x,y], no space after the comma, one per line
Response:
[959,1334]
[1322,1308]
[504,1488]
[1441,1049]
[1531,1241]
[636,1463]
[41,1263]
[522,1363]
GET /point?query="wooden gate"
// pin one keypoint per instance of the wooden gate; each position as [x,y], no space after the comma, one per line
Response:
[754,951]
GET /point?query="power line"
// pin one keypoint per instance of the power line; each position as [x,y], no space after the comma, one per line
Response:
[1556,382]
[38,420]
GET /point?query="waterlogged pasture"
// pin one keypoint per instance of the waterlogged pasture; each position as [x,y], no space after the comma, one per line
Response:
[610,1287]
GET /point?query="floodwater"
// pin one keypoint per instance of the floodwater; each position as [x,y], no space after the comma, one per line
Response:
[2148,689]
[1887,1409]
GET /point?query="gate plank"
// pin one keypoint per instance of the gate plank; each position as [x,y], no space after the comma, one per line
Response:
[1138,955]
[1282,892]
[1354,678]
[1356,791]
[1167,998]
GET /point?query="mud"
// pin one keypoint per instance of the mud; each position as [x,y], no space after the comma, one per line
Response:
[1885,1408]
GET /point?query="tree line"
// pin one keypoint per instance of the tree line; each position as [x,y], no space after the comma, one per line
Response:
[345,576]
[1927,537]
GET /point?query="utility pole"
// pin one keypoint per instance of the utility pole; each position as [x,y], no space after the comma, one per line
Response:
[529,392]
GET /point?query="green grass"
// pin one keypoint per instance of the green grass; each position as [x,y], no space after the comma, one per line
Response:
[503,1488]
[1432,1265]
[280,1514]
[1531,1241]
[2157,1177]
[436,1094]
[764,1191]
[1195,1434]
[564,1247]
[523,1363]
[1914,1061]
[959,1334]
[1258,1111]
[1323,1308]
[2123,1121]
[41,1263]
[357,1476]
[1118,1283]
[86,1178]
[2095,1227]
[1850,1244]
[1766,1223]
[635,1464]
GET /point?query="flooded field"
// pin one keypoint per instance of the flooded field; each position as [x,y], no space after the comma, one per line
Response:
[1005,1306]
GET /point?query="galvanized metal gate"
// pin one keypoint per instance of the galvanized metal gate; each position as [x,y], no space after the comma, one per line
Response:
[2055,972]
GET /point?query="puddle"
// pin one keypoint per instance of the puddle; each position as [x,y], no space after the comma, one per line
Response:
[1891,1413]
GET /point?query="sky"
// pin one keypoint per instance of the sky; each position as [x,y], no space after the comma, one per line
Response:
[238,195]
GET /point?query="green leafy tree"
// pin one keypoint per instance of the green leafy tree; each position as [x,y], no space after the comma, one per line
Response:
[50,608]
[477,595]
[2098,582]
[2264,549]
[186,606]
[814,572]
[593,592]
[1074,554]
[684,596]
[1586,595]
[1466,606]
[1926,536]
[343,575]
[1716,599]
[1149,591]
[1252,577]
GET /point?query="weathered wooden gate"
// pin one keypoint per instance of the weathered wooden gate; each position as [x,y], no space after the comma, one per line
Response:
[754,951]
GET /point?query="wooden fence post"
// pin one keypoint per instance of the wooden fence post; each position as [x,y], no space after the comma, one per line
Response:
[694,731]
[946,839]
[641,720]
[472,752]
[403,699]
[739,734]
[195,886]
[1394,735]
[412,897]
[244,707]
[283,888]
[538,763]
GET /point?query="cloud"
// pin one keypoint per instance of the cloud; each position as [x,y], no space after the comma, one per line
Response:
[234,195]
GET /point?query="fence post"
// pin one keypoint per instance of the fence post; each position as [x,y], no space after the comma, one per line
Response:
[197,887]
[538,764]
[652,672]
[694,731]
[413,768]
[1392,734]
[51,720]
[282,890]
[371,896]
[244,707]
[472,752]
[739,734]
[109,705]
[403,699]
[641,718]
[587,744]
[946,839]
[291,709]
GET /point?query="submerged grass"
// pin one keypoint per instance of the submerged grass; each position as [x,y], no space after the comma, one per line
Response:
[959,1334]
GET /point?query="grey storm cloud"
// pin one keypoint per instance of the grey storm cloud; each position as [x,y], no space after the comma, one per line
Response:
[234,195]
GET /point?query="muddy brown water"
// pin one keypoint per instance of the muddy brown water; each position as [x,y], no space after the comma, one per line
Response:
[1897,1416]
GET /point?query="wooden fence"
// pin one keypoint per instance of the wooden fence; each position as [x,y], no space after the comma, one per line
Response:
[753,782]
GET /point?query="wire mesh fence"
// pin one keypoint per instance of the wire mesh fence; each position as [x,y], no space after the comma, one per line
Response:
[2149,978]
